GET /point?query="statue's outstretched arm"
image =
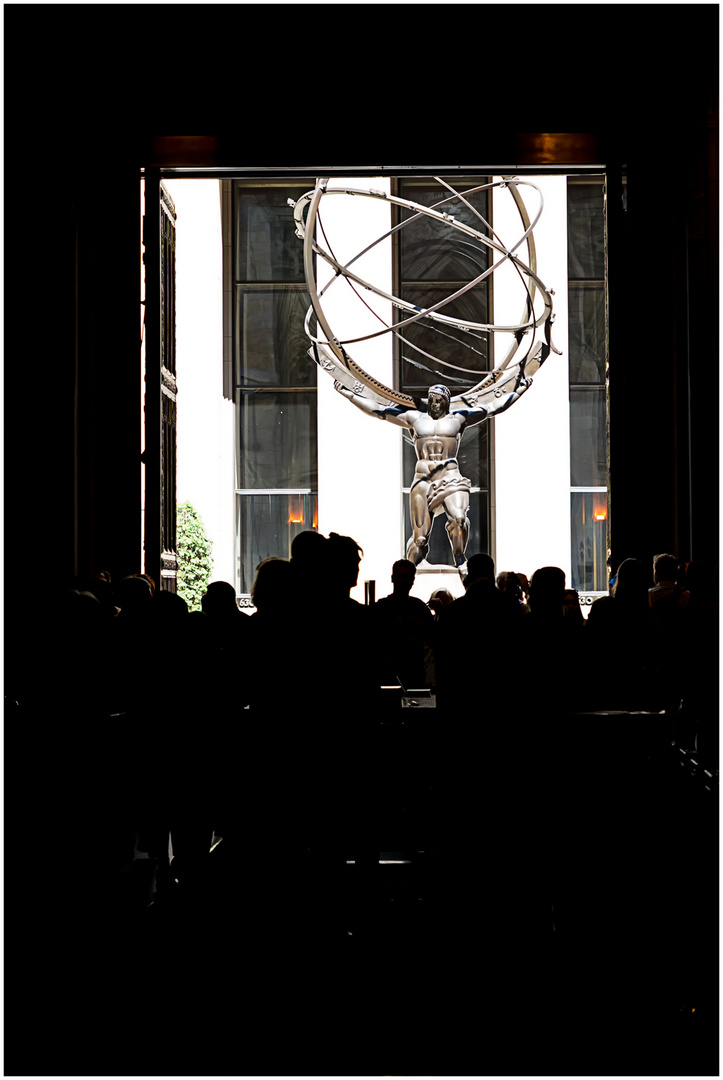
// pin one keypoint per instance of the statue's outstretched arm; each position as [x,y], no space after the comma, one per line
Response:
[498,398]
[395,414]
[473,415]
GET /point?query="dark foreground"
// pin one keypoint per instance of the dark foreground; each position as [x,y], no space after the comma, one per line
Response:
[538,910]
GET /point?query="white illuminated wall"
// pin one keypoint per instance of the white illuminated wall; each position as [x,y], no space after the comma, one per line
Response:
[360,457]
[205,420]
[532,439]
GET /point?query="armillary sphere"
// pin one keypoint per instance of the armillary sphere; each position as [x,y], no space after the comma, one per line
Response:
[495,389]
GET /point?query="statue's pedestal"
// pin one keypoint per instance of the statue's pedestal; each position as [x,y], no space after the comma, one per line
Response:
[431,577]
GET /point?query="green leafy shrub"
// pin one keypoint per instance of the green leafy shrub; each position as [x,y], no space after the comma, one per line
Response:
[194,556]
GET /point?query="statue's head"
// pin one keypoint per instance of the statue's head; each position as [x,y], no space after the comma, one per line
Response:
[438,400]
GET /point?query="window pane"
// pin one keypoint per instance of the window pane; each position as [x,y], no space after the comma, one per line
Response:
[277,440]
[440,549]
[586,231]
[271,346]
[589,541]
[474,455]
[587,334]
[267,248]
[431,250]
[588,465]
[467,350]
[265,527]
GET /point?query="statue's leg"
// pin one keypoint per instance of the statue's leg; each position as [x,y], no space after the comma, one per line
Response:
[417,547]
[421,519]
[458,525]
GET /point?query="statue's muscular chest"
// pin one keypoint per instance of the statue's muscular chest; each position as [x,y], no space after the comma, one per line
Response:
[436,439]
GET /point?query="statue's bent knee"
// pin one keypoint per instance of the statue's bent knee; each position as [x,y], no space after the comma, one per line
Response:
[457,524]
[417,548]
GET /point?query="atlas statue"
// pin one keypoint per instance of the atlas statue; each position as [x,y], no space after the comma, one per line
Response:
[438,485]
[436,425]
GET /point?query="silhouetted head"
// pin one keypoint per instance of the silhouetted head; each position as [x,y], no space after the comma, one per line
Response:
[309,548]
[99,585]
[169,606]
[442,597]
[436,606]
[272,584]
[345,558]
[571,605]
[219,599]
[547,591]
[403,574]
[632,583]
[439,400]
[480,567]
[151,582]
[509,584]
[79,608]
[310,563]
[133,595]
[665,568]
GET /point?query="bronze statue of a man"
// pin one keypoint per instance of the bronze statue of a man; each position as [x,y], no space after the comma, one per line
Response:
[438,485]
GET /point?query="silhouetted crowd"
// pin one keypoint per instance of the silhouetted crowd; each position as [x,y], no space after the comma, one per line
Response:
[195,724]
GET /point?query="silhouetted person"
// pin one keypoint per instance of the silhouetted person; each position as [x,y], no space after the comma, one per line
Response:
[313,703]
[439,599]
[304,665]
[549,649]
[469,632]
[571,607]
[327,674]
[435,606]
[699,661]
[257,764]
[187,719]
[132,645]
[406,628]
[133,594]
[80,793]
[229,626]
[291,629]
[547,592]
[310,561]
[73,674]
[668,600]
[345,557]
[620,634]
[271,588]
[509,585]
[480,567]
[665,589]
[101,587]
[269,660]
[348,812]
[219,600]
[356,682]
[524,586]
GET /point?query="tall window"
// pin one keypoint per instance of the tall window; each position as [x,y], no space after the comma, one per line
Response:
[588,402]
[434,260]
[274,381]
